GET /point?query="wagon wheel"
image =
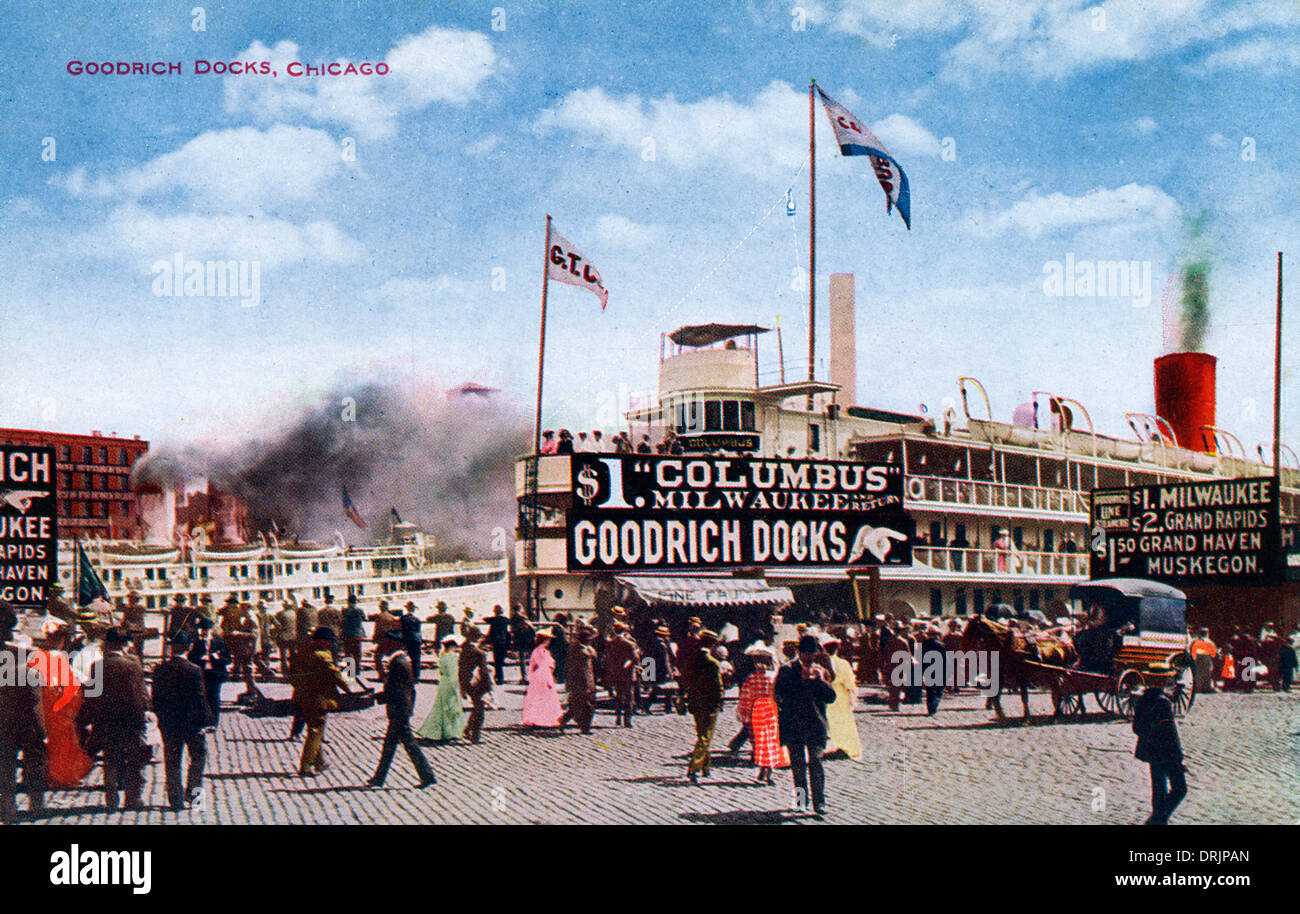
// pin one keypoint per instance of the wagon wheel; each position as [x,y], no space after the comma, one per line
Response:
[1108,702]
[1126,692]
[1181,691]
[1070,703]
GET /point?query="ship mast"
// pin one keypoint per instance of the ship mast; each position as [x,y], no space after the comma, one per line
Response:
[812,236]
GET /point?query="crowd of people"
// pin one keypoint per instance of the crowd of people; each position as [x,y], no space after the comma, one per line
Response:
[794,704]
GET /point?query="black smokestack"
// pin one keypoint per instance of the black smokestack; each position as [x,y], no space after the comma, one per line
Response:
[446,464]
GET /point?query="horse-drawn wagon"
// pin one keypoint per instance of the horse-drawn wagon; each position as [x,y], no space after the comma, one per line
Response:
[1150,621]
[1137,637]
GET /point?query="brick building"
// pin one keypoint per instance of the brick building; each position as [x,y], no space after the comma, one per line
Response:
[95,496]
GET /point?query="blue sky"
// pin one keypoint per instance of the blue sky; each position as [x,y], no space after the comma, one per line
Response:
[397,220]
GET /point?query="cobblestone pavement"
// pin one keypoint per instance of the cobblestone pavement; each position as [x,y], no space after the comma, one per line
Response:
[960,767]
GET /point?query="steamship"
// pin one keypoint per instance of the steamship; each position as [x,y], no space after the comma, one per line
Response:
[1001,508]
[167,563]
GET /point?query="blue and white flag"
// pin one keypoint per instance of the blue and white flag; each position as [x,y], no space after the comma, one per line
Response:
[856,140]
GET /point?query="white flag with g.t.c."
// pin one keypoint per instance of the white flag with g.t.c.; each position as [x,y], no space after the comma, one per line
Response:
[566,264]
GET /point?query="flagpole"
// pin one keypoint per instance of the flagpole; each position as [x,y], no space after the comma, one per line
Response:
[1277,382]
[541,342]
[812,236]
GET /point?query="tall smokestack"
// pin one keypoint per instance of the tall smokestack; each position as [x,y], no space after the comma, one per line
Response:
[844,353]
[1185,396]
[157,507]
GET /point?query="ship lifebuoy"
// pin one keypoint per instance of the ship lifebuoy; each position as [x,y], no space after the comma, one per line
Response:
[915,488]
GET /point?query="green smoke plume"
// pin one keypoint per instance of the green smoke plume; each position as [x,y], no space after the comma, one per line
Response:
[1195,287]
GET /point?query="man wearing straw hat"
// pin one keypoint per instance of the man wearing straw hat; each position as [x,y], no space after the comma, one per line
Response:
[704,700]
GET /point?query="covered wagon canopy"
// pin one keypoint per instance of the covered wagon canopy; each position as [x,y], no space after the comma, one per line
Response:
[684,591]
[708,334]
[1126,587]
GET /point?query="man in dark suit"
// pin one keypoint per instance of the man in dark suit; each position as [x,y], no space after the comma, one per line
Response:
[209,654]
[475,682]
[499,635]
[1158,745]
[934,669]
[802,694]
[522,635]
[399,699]
[116,719]
[22,725]
[411,639]
[184,715]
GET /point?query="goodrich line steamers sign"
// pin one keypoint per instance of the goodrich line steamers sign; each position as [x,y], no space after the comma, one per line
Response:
[639,513]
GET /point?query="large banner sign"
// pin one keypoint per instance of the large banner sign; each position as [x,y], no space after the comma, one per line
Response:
[29,537]
[638,513]
[1219,532]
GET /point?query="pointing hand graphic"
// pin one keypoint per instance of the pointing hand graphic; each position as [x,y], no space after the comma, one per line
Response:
[876,540]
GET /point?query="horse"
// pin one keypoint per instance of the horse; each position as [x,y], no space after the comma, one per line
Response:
[1014,654]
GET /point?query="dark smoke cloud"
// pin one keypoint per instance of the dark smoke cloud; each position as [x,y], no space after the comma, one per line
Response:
[1195,280]
[444,464]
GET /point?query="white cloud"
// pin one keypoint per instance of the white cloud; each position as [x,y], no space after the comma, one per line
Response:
[903,136]
[1263,54]
[484,146]
[416,293]
[437,65]
[764,137]
[619,230]
[1050,39]
[136,232]
[1218,141]
[1037,214]
[231,169]
[1146,125]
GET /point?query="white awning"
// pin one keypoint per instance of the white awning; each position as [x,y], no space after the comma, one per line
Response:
[685,591]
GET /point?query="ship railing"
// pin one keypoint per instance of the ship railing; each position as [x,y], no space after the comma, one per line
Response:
[1009,563]
[1000,495]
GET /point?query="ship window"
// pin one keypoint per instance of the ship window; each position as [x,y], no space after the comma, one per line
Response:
[1033,600]
[315,592]
[712,415]
[149,602]
[959,603]
[325,566]
[315,567]
[731,415]
[747,416]
[814,438]
[1018,537]
[936,601]
[1049,540]
[234,571]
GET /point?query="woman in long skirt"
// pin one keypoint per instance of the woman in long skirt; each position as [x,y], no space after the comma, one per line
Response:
[542,700]
[757,711]
[839,713]
[446,718]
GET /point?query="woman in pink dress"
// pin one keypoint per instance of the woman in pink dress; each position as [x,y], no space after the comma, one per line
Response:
[542,700]
[757,710]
